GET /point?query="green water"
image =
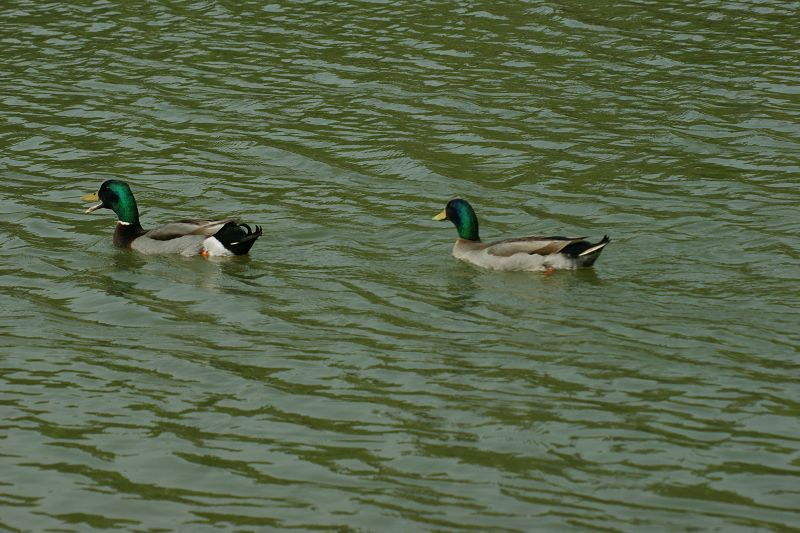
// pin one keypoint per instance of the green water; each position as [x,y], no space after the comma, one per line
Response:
[350,374]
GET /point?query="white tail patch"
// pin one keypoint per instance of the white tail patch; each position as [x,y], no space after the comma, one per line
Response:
[215,248]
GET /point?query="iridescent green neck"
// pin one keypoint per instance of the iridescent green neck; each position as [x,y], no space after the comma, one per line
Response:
[468,229]
[463,217]
[128,212]
[123,203]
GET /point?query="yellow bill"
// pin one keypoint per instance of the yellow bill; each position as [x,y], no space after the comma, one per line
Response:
[441,216]
[92,198]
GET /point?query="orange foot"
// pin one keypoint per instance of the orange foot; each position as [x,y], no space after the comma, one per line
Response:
[204,252]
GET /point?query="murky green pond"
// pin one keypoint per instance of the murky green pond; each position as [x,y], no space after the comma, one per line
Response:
[350,374]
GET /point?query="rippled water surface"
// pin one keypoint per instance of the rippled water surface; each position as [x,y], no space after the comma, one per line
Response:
[350,374]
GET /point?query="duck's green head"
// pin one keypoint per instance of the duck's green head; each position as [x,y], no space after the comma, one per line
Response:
[117,196]
[460,213]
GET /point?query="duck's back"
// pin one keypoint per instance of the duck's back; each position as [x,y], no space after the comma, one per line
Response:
[182,228]
[185,245]
[480,255]
[183,237]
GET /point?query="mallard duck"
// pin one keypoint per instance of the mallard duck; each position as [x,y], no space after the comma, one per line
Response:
[523,253]
[185,237]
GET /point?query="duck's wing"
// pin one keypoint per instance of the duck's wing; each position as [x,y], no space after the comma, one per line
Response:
[531,245]
[181,228]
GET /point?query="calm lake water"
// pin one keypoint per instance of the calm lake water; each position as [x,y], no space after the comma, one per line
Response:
[350,374]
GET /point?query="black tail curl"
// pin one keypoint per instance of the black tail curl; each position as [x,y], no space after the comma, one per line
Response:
[577,248]
[238,238]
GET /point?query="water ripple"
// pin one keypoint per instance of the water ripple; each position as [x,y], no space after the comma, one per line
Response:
[349,373]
